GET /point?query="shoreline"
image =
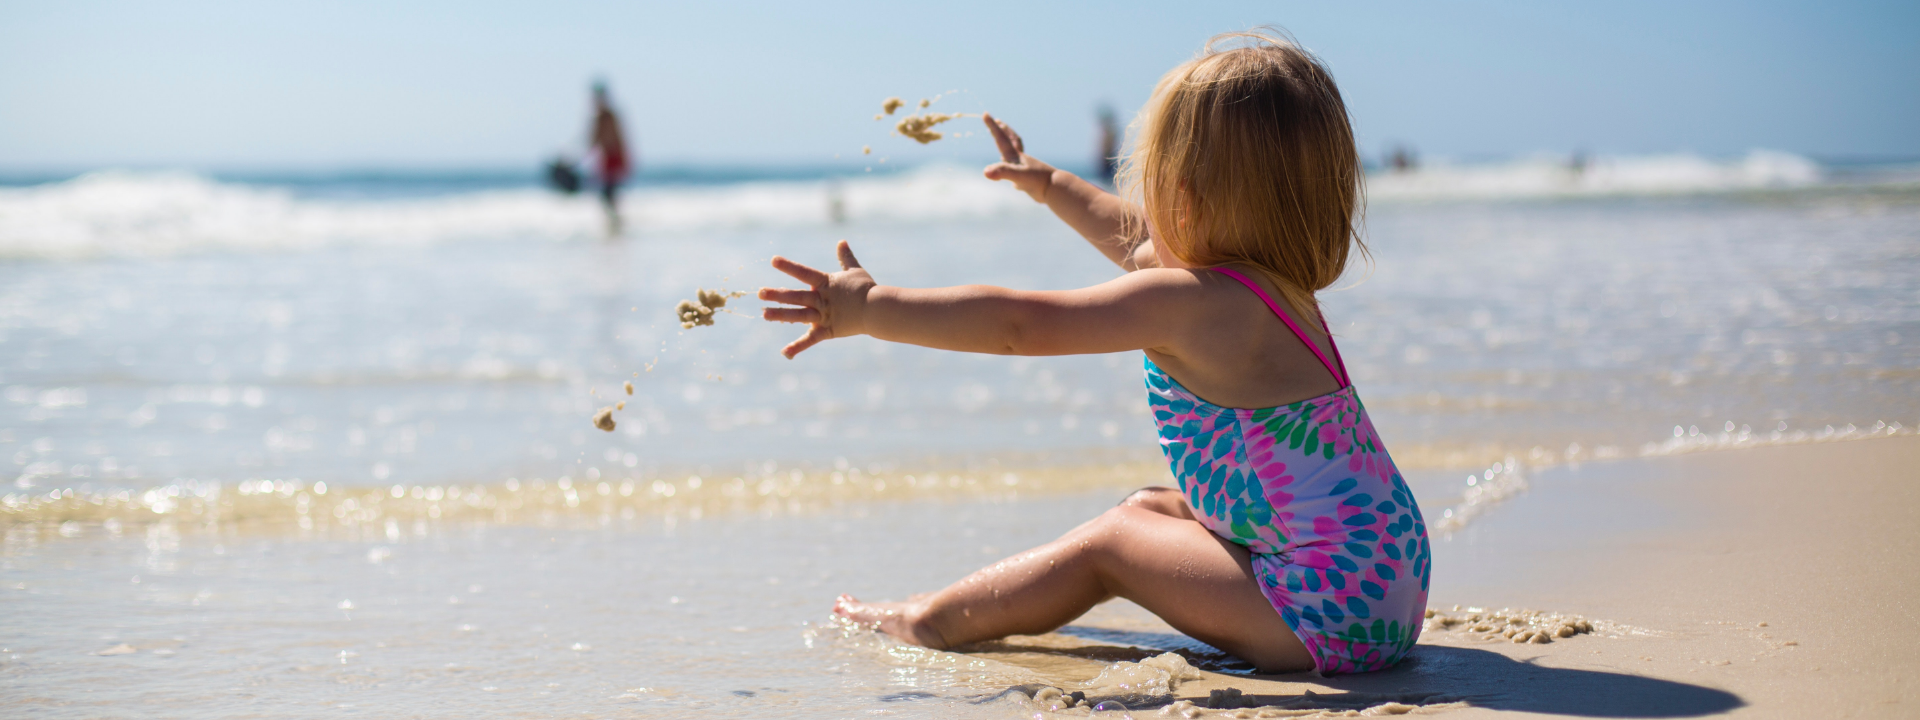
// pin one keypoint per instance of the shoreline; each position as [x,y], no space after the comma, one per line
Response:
[267,505]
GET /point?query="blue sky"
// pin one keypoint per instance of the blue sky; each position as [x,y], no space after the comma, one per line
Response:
[436,84]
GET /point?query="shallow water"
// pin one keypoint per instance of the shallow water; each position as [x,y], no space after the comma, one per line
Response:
[653,616]
[1486,329]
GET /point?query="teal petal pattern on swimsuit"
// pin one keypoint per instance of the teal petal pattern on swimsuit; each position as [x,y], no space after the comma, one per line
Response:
[1338,543]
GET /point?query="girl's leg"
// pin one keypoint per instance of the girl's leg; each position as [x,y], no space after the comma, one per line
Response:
[1148,550]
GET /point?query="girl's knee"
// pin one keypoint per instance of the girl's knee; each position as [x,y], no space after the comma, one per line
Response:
[1098,536]
[1118,532]
[1164,500]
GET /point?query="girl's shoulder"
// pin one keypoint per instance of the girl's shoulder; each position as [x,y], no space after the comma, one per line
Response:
[1178,278]
[1212,282]
[1190,299]
[1171,288]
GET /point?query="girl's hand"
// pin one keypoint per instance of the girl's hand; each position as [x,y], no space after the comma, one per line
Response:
[834,307]
[1027,172]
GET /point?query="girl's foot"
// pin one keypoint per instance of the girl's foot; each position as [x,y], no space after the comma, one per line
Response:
[901,620]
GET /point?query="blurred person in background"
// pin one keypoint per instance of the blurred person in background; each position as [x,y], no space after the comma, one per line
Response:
[610,144]
[1109,145]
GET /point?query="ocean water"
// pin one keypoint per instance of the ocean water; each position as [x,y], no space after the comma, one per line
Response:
[325,442]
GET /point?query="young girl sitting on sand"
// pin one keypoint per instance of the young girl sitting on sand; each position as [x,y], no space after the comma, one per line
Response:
[1292,542]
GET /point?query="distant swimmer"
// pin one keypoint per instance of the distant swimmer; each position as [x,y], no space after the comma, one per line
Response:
[1403,160]
[836,202]
[1577,165]
[616,159]
[1109,145]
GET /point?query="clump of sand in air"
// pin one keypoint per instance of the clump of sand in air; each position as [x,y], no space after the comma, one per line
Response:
[919,127]
[603,419]
[700,311]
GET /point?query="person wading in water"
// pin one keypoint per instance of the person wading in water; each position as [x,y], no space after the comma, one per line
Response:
[615,162]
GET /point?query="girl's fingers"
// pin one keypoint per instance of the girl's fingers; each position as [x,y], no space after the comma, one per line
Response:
[1013,173]
[803,298]
[1009,151]
[813,337]
[808,300]
[790,315]
[799,272]
[1019,146]
[847,261]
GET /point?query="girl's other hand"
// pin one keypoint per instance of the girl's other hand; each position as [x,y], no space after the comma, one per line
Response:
[1027,172]
[834,306]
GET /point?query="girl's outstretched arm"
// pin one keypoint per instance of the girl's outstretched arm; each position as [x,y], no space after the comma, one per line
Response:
[1135,311]
[1109,223]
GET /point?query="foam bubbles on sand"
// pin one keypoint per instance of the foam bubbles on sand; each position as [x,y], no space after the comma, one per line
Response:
[1121,685]
[1149,678]
[1154,682]
[1518,626]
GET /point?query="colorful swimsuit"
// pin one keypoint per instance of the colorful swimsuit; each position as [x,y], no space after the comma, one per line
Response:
[1338,544]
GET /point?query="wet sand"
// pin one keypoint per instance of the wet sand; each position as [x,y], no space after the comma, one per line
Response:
[551,599]
[1771,582]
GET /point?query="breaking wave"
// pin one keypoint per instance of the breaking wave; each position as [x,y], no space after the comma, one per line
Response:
[119,213]
[1543,177]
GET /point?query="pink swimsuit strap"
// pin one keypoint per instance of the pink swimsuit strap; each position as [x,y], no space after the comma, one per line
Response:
[1339,374]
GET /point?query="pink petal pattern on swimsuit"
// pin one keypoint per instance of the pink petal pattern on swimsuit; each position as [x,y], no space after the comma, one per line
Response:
[1338,543]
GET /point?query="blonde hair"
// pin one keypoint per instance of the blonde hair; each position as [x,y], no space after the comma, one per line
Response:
[1245,155]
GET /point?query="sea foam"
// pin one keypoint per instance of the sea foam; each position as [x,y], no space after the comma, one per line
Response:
[1543,177]
[119,213]
[122,213]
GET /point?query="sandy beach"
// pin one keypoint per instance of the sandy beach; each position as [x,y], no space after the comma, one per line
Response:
[1772,582]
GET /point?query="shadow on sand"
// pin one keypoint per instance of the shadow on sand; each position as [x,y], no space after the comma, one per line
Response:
[1435,673]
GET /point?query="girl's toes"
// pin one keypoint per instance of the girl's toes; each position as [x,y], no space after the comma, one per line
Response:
[843,605]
